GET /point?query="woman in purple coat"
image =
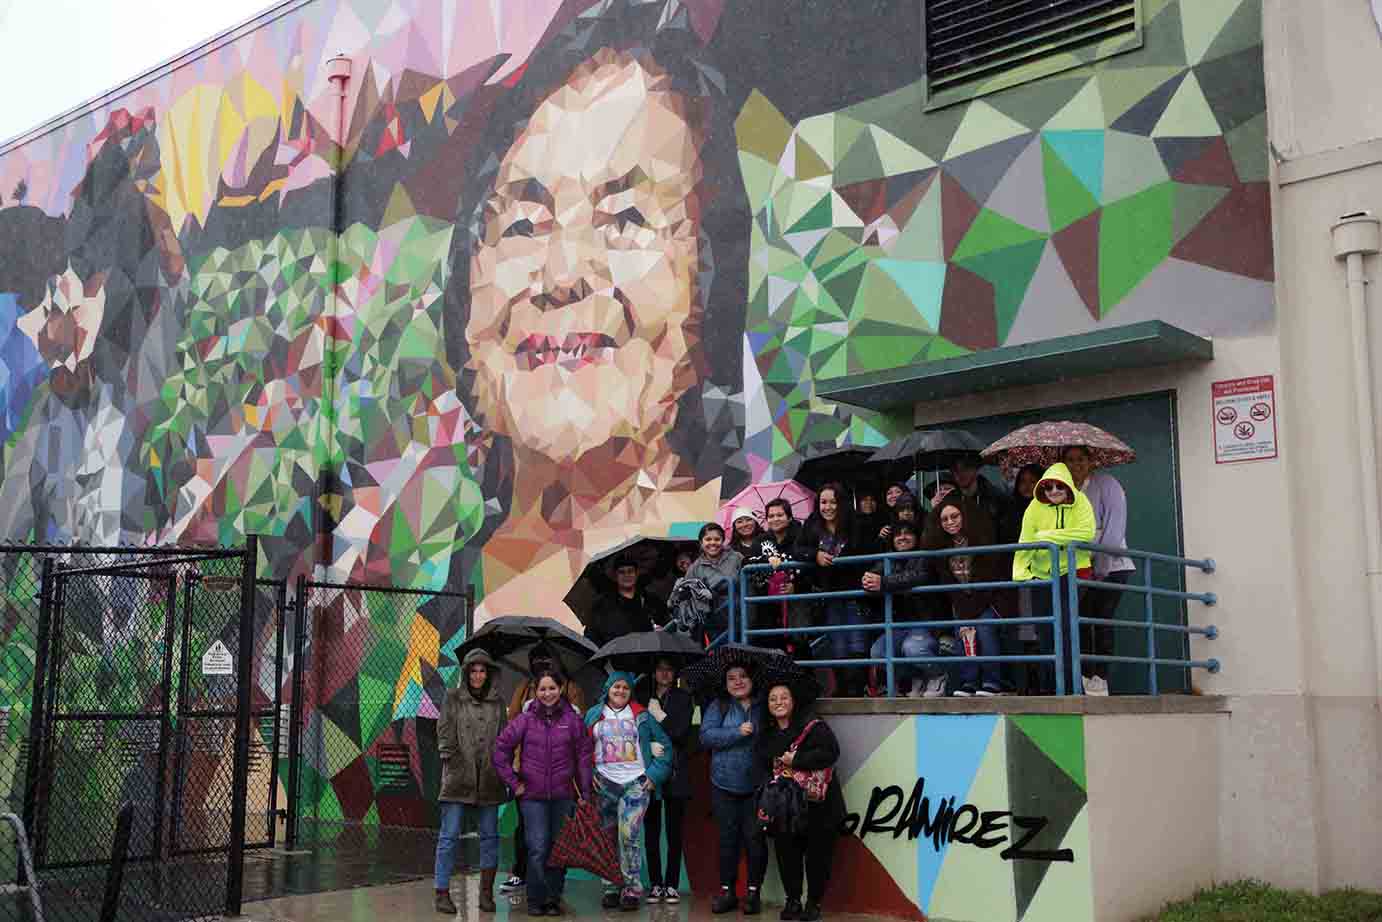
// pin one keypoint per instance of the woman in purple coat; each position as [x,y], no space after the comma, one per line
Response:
[555,769]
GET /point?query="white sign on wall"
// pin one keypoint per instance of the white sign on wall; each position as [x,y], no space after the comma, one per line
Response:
[217,660]
[1244,419]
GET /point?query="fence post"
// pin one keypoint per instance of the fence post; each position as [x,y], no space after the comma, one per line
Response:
[295,711]
[244,675]
[37,720]
[1057,621]
[1073,600]
[888,630]
[1150,610]
[469,609]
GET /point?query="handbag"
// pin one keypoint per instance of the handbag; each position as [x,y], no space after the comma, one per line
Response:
[816,782]
[584,842]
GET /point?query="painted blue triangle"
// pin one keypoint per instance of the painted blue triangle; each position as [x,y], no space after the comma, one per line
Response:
[922,282]
[949,750]
[1083,152]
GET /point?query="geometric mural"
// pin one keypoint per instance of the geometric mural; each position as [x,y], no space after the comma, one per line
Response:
[231,304]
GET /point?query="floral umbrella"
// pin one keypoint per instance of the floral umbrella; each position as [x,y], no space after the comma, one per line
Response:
[756,497]
[1041,444]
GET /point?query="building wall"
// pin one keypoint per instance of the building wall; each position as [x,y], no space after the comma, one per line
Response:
[219,338]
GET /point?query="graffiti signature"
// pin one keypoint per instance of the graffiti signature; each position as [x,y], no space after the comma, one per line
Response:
[966,824]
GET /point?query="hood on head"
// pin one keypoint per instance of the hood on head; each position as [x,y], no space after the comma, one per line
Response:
[1057,473]
[616,677]
[482,657]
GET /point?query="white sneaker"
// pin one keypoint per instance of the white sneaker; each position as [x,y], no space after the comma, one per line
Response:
[918,688]
[1096,686]
[935,688]
[670,895]
[513,883]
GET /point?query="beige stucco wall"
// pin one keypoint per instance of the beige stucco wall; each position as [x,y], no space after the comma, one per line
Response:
[1174,755]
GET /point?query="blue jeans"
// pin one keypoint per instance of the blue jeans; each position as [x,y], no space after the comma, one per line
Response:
[989,674]
[908,643]
[448,838]
[542,820]
[845,644]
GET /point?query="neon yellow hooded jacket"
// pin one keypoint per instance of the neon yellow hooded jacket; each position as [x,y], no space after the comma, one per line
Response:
[1060,525]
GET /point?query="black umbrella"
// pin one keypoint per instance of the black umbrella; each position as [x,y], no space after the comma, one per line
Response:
[507,637]
[826,462]
[638,653]
[926,450]
[653,556]
[707,676]
[804,685]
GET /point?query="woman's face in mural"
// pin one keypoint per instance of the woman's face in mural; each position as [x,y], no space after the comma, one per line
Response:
[584,300]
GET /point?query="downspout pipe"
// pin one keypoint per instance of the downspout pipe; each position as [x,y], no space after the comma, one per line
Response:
[328,494]
[1357,236]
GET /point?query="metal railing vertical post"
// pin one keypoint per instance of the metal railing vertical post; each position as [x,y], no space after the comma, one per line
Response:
[1150,611]
[743,581]
[295,712]
[1057,625]
[888,630]
[1073,600]
[244,676]
[37,736]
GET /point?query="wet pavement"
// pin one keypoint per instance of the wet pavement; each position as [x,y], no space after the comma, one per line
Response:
[412,902]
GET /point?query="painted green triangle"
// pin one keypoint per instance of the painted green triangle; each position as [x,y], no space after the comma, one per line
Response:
[328,804]
[896,155]
[983,125]
[340,749]
[1247,145]
[1060,737]
[761,129]
[1083,112]
[860,163]
[921,237]
[1036,104]
[1123,89]
[1010,271]
[878,352]
[819,132]
[758,178]
[942,348]
[1134,238]
[992,231]
[376,707]
[1132,164]
[1191,204]
[809,164]
[816,217]
[1188,114]
[1242,31]
[1067,199]
[1201,23]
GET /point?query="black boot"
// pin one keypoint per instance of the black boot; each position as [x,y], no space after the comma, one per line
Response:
[725,901]
[753,902]
[811,913]
[791,911]
[443,904]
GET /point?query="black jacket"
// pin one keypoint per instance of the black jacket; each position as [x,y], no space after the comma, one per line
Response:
[908,573]
[819,750]
[679,706]
[614,616]
[837,577]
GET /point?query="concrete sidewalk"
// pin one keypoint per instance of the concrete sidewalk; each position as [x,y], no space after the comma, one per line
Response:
[412,902]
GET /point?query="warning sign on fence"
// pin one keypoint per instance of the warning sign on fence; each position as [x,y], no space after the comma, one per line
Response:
[1244,419]
[217,660]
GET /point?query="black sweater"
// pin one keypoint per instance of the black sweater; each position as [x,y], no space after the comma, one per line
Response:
[819,750]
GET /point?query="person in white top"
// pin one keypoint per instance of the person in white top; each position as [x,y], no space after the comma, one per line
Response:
[1110,504]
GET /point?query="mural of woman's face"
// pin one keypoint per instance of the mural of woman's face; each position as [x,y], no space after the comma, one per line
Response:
[584,298]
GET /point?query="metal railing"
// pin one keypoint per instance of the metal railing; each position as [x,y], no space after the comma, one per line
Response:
[1063,641]
[1150,593]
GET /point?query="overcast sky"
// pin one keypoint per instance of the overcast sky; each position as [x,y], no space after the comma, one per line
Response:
[55,54]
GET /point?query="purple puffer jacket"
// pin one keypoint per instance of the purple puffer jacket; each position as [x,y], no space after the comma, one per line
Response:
[556,751]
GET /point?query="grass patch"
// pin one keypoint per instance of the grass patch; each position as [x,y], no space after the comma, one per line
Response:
[1254,901]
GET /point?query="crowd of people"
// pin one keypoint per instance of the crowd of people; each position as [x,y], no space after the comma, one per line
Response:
[960,513]
[628,753]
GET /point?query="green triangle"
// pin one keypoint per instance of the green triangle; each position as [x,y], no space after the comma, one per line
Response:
[860,163]
[761,129]
[340,749]
[1134,238]
[1123,89]
[819,132]
[896,155]
[376,707]
[1191,204]
[758,178]
[1201,22]
[1188,114]
[880,298]
[895,351]
[1243,31]
[992,231]
[1060,737]
[1247,145]
[983,125]
[1035,104]
[942,348]
[1132,164]
[921,238]
[1084,111]
[1067,199]
[809,164]
[328,805]
[1010,271]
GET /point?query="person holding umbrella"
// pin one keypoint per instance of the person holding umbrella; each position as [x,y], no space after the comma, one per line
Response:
[729,727]
[627,610]
[673,708]
[633,758]
[472,714]
[794,739]
[1061,515]
[558,762]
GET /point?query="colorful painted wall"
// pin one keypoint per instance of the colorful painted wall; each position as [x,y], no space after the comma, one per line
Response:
[559,272]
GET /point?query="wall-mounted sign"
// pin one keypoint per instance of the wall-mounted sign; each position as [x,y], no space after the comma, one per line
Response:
[1244,419]
[217,660]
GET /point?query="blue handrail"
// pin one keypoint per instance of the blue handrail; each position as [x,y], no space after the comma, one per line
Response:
[744,632]
[1148,624]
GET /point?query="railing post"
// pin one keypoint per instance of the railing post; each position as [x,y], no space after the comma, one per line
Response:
[1073,600]
[743,608]
[295,712]
[1057,622]
[888,631]
[1150,612]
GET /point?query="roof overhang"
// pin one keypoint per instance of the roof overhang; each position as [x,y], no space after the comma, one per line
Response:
[1136,345]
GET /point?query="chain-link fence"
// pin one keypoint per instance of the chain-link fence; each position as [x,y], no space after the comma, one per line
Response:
[371,665]
[124,683]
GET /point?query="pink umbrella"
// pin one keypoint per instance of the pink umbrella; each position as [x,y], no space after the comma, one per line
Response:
[756,497]
[1041,444]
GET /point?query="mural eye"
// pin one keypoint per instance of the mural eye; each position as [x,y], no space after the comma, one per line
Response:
[523,227]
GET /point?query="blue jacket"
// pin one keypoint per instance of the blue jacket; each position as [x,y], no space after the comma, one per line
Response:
[732,765]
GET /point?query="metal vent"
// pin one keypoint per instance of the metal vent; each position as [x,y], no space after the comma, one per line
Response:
[975,40]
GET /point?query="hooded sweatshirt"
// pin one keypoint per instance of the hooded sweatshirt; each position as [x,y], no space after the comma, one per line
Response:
[470,723]
[623,739]
[1065,524]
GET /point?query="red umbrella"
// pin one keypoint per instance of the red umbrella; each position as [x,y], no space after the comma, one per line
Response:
[1041,444]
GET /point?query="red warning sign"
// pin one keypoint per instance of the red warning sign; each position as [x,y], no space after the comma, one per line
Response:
[1244,419]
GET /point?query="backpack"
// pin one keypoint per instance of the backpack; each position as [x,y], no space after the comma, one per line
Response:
[689,604]
[782,808]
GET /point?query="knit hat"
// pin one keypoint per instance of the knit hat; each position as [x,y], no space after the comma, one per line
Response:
[743,512]
[616,677]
